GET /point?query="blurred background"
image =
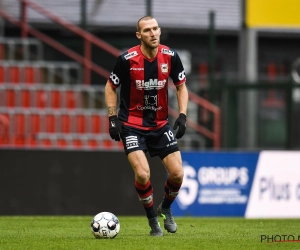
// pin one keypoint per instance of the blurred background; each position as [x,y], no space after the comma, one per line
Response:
[242,62]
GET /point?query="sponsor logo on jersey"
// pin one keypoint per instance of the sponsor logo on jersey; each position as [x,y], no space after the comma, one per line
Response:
[151,84]
[137,69]
[150,100]
[164,67]
[130,55]
[167,52]
[150,103]
[149,107]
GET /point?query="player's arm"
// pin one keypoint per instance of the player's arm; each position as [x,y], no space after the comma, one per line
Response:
[115,125]
[111,99]
[182,98]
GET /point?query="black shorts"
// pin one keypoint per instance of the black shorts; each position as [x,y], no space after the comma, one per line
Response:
[159,142]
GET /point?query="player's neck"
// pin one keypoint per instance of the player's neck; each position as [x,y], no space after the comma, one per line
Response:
[149,52]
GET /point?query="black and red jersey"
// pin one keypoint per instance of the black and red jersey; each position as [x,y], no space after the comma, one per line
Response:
[144,86]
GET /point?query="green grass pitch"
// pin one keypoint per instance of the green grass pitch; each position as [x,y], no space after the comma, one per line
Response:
[73,232]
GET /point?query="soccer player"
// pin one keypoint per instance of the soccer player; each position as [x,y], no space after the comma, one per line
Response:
[142,119]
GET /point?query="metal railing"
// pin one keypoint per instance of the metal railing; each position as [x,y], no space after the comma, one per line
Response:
[89,39]
[215,133]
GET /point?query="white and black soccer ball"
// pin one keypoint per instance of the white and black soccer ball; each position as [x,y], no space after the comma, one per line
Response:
[105,225]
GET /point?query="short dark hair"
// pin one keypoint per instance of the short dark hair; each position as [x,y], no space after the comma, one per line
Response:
[138,28]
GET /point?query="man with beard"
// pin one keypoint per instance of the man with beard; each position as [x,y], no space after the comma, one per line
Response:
[141,122]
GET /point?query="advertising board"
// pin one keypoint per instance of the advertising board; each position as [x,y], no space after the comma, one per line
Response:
[262,184]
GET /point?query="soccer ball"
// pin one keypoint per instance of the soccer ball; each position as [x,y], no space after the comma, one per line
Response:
[105,225]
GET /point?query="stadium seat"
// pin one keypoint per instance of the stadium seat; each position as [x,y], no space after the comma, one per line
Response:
[65,123]
[25,98]
[62,143]
[55,99]
[92,143]
[96,123]
[50,121]
[81,123]
[77,143]
[29,75]
[4,129]
[10,98]
[19,129]
[70,99]
[13,74]
[41,99]
[2,76]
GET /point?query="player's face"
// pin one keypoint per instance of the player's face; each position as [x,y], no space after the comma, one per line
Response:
[149,33]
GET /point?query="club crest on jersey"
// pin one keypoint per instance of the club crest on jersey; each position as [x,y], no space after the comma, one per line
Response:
[167,52]
[164,68]
[130,55]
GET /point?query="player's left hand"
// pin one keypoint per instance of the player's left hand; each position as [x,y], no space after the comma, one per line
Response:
[115,128]
[181,123]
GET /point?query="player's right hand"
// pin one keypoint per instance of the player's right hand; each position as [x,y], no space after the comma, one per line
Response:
[115,127]
[181,123]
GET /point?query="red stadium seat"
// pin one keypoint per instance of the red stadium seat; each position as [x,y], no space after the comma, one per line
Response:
[70,99]
[4,129]
[77,143]
[25,98]
[13,74]
[55,99]
[80,123]
[29,75]
[62,143]
[96,124]
[50,123]
[35,124]
[41,99]
[10,98]
[65,123]
[92,143]
[47,143]
[2,75]
[19,129]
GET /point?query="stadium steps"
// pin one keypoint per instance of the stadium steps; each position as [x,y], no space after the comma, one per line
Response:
[57,128]
[44,104]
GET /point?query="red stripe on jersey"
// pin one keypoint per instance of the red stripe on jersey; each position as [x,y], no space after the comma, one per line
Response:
[164,67]
[135,115]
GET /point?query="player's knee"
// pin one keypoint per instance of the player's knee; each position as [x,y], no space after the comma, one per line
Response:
[142,177]
[177,176]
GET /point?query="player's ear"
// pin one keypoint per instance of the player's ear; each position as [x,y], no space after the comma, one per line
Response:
[138,35]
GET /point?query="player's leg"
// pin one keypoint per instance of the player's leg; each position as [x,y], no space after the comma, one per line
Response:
[163,143]
[140,166]
[173,164]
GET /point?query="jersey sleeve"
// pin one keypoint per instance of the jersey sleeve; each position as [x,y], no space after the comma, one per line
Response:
[117,75]
[177,71]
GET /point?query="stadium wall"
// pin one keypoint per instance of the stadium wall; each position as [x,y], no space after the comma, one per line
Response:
[262,184]
[36,182]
